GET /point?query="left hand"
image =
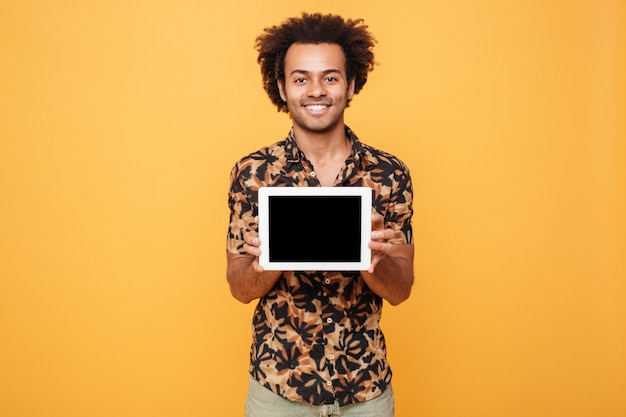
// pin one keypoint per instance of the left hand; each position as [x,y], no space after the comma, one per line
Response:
[379,244]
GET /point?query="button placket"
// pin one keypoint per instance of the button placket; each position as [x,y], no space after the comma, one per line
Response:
[329,320]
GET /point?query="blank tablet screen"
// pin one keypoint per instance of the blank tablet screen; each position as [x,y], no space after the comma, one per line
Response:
[314,228]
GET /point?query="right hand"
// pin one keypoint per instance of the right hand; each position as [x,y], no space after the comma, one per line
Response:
[252,246]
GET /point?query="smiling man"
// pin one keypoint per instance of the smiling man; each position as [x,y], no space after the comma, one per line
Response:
[317,347]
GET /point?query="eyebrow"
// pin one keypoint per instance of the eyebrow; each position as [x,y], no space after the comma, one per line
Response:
[305,72]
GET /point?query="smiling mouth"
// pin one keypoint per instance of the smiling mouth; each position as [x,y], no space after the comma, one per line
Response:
[316,108]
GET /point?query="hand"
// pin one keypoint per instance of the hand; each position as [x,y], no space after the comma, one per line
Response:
[252,247]
[379,244]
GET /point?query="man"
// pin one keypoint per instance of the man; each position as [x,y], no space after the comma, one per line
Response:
[317,347]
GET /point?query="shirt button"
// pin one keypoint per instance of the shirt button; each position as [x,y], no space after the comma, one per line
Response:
[329,383]
[327,281]
[331,356]
[329,320]
[313,173]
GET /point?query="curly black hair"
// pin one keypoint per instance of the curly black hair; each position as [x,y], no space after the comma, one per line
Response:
[352,35]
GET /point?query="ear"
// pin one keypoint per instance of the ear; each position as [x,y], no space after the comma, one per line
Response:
[351,88]
[281,89]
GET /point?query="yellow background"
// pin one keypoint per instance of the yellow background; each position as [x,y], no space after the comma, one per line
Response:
[120,121]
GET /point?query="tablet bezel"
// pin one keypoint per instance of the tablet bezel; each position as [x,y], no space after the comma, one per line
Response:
[365,193]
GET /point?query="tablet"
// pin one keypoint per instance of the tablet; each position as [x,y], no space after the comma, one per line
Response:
[315,228]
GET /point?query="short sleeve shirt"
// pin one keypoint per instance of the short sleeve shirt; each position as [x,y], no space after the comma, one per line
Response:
[316,336]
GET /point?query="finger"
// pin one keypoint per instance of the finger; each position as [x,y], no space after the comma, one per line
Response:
[252,238]
[380,246]
[372,267]
[252,250]
[378,221]
[256,266]
[377,234]
[386,234]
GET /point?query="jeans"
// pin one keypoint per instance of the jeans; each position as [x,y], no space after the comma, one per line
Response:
[262,402]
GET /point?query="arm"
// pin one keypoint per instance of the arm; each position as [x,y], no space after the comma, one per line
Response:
[246,277]
[391,273]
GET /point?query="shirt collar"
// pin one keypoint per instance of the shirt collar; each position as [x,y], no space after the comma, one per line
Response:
[294,154]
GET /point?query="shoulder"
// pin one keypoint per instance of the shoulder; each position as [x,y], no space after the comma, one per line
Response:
[379,158]
[266,155]
[269,156]
[374,158]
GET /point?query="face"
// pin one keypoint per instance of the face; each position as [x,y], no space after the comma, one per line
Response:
[315,88]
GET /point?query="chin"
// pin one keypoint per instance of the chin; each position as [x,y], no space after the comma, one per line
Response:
[318,127]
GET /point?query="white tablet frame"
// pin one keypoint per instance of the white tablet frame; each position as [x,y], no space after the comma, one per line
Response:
[264,194]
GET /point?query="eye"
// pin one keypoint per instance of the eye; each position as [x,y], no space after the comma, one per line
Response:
[332,79]
[299,80]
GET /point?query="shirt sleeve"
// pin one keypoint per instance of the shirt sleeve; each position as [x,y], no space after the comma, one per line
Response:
[242,211]
[400,210]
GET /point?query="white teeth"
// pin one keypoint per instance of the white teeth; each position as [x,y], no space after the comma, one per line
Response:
[316,107]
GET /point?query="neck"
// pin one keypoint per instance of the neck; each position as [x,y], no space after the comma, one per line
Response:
[322,144]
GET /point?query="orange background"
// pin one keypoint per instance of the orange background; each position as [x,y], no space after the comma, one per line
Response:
[120,121]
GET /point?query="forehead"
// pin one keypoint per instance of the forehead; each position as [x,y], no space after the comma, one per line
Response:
[313,57]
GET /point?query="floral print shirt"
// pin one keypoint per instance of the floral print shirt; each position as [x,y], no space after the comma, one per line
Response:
[316,335]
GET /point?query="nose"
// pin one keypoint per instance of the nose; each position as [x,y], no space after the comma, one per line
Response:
[316,88]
